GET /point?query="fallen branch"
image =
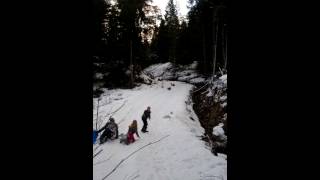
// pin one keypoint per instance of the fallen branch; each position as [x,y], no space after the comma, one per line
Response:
[96,148]
[200,88]
[97,153]
[131,155]
[206,91]
[97,114]
[221,71]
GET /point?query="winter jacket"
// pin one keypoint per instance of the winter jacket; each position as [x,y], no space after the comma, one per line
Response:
[112,126]
[133,130]
[146,115]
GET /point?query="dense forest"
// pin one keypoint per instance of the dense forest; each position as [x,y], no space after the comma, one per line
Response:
[130,35]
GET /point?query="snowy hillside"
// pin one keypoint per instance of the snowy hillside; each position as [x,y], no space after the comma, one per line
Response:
[167,71]
[172,149]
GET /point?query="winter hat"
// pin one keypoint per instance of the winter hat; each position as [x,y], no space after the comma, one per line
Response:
[111,119]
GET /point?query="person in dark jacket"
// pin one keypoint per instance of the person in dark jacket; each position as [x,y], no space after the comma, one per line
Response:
[110,131]
[145,116]
[133,129]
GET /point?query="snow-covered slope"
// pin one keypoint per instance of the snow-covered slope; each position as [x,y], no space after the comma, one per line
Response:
[167,71]
[180,154]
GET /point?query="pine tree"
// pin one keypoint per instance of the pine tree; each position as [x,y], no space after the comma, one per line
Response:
[172,23]
[100,9]
[182,44]
[163,42]
[132,17]
[207,21]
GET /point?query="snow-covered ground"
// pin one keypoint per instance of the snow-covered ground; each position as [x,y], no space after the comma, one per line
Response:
[180,153]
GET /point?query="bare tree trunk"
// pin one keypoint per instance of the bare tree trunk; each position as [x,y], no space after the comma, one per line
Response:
[204,50]
[215,29]
[223,45]
[172,54]
[97,114]
[226,55]
[131,65]
[174,50]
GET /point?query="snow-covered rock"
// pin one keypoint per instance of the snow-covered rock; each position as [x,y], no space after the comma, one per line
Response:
[223,98]
[223,78]
[99,76]
[193,66]
[217,130]
[197,80]
[186,75]
[158,70]
[166,71]
[145,79]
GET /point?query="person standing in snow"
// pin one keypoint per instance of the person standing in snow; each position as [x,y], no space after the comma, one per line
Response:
[145,116]
[110,130]
[133,129]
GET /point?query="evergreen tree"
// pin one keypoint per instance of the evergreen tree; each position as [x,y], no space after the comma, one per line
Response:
[182,44]
[122,33]
[132,17]
[172,26]
[163,42]
[100,8]
[206,30]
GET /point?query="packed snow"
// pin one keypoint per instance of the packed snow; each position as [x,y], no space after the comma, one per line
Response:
[180,153]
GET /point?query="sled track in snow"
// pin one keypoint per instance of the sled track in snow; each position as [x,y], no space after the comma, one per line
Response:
[96,148]
[135,174]
[102,161]
[100,121]
[131,155]
[117,109]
